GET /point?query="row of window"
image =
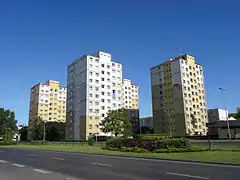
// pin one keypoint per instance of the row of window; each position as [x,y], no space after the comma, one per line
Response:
[91,126]
[103,65]
[103,72]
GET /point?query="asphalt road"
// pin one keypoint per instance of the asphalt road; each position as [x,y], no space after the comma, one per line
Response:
[17,164]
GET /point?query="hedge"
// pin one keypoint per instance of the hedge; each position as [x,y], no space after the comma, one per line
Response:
[178,150]
[169,150]
[126,149]
[149,145]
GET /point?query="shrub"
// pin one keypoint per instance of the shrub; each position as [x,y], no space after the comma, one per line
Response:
[90,140]
[180,150]
[151,137]
[126,149]
[114,143]
[129,142]
[172,143]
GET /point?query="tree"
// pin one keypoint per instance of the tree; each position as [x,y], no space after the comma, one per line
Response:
[7,124]
[35,129]
[193,121]
[117,123]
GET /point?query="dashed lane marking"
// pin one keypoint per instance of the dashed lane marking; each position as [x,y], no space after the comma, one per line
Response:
[18,165]
[100,164]
[2,161]
[186,175]
[42,171]
[32,155]
[56,158]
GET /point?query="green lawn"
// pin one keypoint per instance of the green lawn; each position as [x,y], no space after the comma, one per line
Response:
[223,155]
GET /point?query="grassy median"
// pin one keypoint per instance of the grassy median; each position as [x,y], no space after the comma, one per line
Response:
[223,154]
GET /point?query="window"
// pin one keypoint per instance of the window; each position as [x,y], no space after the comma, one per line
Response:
[90,95]
[108,73]
[103,107]
[90,126]
[109,94]
[103,115]
[96,118]
[102,79]
[97,96]
[97,60]
[108,80]
[97,74]
[102,65]
[109,100]
[108,86]
[102,86]
[113,64]
[108,66]
[96,103]
[96,110]
[103,100]
[90,80]
[102,93]
[96,88]
[97,81]
[102,72]
[90,87]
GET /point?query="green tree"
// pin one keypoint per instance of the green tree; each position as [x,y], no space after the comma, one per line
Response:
[7,124]
[35,129]
[117,123]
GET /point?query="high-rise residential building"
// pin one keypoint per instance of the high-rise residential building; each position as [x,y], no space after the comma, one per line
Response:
[178,97]
[48,101]
[95,86]
[129,95]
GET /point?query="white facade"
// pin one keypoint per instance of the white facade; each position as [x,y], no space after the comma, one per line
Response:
[129,94]
[94,87]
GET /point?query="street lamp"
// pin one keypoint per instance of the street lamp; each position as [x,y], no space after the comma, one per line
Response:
[225,107]
[44,130]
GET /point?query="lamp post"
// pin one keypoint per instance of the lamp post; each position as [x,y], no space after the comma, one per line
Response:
[44,130]
[225,107]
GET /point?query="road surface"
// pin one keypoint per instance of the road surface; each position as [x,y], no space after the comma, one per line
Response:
[17,164]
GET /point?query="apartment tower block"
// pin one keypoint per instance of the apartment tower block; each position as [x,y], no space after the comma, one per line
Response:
[178,97]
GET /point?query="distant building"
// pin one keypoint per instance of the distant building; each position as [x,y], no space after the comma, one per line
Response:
[217,115]
[48,101]
[147,122]
[133,116]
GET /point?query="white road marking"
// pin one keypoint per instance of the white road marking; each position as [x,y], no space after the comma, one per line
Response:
[1,151]
[32,155]
[186,175]
[2,161]
[100,164]
[42,171]
[18,165]
[56,158]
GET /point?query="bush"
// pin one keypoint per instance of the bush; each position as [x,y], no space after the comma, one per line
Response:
[114,143]
[180,150]
[126,149]
[172,143]
[151,137]
[90,141]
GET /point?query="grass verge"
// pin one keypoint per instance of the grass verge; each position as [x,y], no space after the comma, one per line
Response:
[218,155]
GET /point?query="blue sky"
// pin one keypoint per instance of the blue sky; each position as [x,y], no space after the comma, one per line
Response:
[38,39]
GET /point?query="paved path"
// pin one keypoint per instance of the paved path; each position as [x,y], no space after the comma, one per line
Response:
[34,164]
